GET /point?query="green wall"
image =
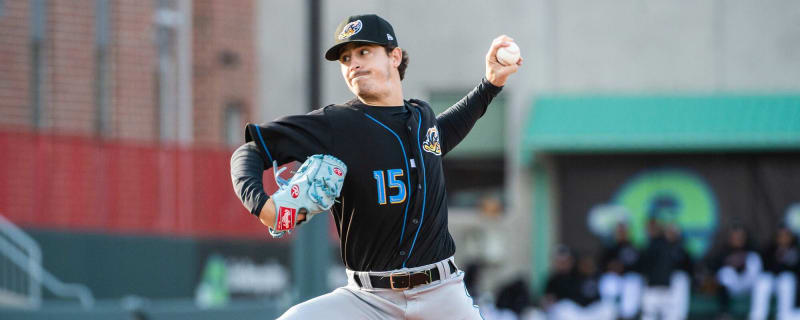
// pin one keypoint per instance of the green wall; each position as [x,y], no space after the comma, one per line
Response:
[155,267]
[113,266]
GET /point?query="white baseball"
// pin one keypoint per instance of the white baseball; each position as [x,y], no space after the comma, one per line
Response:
[508,55]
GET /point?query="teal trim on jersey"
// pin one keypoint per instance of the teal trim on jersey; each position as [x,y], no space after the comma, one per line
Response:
[264,145]
[408,176]
[424,189]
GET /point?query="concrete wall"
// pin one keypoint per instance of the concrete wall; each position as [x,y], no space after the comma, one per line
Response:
[281,54]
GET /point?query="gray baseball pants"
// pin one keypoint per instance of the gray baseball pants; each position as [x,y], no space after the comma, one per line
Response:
[446,298]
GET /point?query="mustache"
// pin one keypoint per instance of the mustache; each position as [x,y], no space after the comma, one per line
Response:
[359,73]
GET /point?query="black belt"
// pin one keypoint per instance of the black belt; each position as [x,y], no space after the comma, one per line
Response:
[405,280]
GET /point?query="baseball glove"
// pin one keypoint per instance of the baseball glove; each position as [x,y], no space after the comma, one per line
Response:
[313,189]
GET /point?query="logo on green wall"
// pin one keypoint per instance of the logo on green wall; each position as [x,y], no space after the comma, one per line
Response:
[672,196]
[213,288]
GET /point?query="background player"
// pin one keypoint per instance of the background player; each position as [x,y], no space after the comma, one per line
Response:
[392,214]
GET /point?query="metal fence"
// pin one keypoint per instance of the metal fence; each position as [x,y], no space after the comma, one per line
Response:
[22,275]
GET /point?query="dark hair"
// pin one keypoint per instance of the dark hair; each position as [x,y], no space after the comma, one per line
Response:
[403,61]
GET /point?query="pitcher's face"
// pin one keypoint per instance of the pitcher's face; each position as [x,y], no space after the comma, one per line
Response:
[367,70]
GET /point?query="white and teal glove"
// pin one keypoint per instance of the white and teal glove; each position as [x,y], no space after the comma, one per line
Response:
[313,189]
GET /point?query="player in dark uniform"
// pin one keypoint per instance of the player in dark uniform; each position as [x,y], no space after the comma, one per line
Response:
[392,214]
[779,277]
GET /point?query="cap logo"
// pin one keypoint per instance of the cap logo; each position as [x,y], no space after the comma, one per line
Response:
[350,29]
[389,37]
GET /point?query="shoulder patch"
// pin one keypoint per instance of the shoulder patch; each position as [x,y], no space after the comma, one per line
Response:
[431,143]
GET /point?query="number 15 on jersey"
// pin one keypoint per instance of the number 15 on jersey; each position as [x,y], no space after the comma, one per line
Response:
[394,183]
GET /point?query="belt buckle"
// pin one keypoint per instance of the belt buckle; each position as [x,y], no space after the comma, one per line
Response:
[403,283]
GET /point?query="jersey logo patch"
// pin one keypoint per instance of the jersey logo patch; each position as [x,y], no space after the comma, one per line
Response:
[285,219]
[350,29]
[431,143]
[295,191]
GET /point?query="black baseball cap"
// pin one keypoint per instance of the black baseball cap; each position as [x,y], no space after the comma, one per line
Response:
[366,28]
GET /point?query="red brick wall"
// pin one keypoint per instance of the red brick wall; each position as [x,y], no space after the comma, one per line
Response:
[222,26]
[15,65]
[62,176]
[70,66]
[133,65]
[82,183]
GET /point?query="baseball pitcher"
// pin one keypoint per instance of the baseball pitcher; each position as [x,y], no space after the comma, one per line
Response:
[376,163]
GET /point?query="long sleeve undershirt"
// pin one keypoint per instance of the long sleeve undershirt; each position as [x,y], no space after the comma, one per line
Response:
[247,169]
[455,122]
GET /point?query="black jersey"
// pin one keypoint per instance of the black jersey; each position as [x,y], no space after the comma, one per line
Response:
[392,212]
[621,257]
[780,259]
